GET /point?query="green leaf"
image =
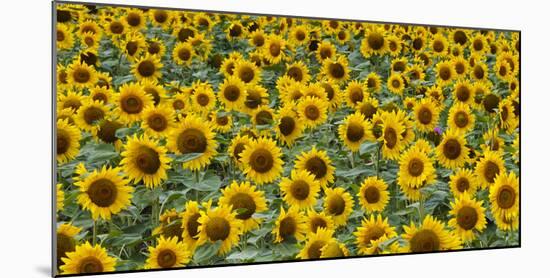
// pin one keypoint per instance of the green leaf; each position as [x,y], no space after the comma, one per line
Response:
[367,147]
[186,157]
[102,152]
[206,251]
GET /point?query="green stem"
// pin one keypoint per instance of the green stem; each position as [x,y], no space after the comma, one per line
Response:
[94,232]
[155,209]
[352,160]
[378,160]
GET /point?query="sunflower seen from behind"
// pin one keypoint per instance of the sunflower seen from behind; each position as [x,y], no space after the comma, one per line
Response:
[143,159]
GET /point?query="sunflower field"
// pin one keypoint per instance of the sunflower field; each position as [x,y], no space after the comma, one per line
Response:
[191,139]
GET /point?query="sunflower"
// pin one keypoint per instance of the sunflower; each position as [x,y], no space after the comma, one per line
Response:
[312,111]
[508,120]
[426,114]
[183,53]
[88,25]
[143,159]
[170,225]
[147,68]
[336,69]
[246,71]
[237,146]
[161,18]
[90,114]
[221,121]
[131,101]
[299,34]
[355,130]
[289,127]
[395,45]
[257,38]
[90,41]
[81,75]
[460,36]
[460,118]
[415,171]
[67,141]
[318,163]
[219,224]
[325,50]
[300,189]
[463,181]
[460,65]
[106,132]
[415,73]
[391,135]
[293,93]
[374,42]
[439,45]
[399,65]
[332,91]
[203,99]
[289,224]
[133,45]
[59,197]
[64,38]
[116,27]
[489,167]
[334,249]
[158,121]
[468,217]
[445,73]
[356,92]
[87,259]
[479,71]
[101,94]
[65,241]
[263,116]
[298,72]
[368,235]
[246,200]
[192,136]
[479,44]
[339,204]
[396,83]
[262,160]
[256,96]
[168,253]
[315,242]
[373,194]
[452,151]
[274,48]
[504,196]
[190,224]
[430,236]
[232,93]
[373,82]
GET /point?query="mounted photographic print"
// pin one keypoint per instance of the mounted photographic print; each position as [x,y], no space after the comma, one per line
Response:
[188,139]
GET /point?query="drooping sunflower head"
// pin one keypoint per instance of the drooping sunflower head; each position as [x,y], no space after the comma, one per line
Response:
[354,131]
[452,152]
[245,200]
[371,231]
[339,204]
[489,167]
[468,217]
[67,141]
[430,236]
[262,160]
[87,259]
[168,253]
[219,223]
[373,194]
[131,101]
[318,163]
[463,181]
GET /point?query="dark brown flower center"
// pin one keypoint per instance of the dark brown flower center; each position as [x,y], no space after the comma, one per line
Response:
[217,228]
[134,19]
[425,241]
[314,250]
[452,149]
[491,171]
[356,95]
[316,223]
[90,265]
[325,52]
[479,72]
[317,167]
[275,49]
[416,167]
[103,192]
[287,125]
[147,160]
[460,37]
[478,45]
[461,119]
[445,73]
[462,184]
[146,68]
[355,132]
[261,160]
[166,258]
[132,48]
[264,117]
[295,73]
[246,74]
[235,31]
[463,93]
[287,227]
[467,218]
[460,68]
[157,122]
[239,148]
[312,112]
[191,140]
[160,16]
[107,131]
[232,93]
[375,40]
[374,233]
[336,70]
[336,205]
[116,27]
[299,189]
[192,226]
[93,114]
[244,202]
[438,46]
[506,197]
[60,35]
[131,104]
[81,75]
[63,142]
[64,244]
[368,110]
[490,102]
[185,33]
[390,137]
[372,194]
